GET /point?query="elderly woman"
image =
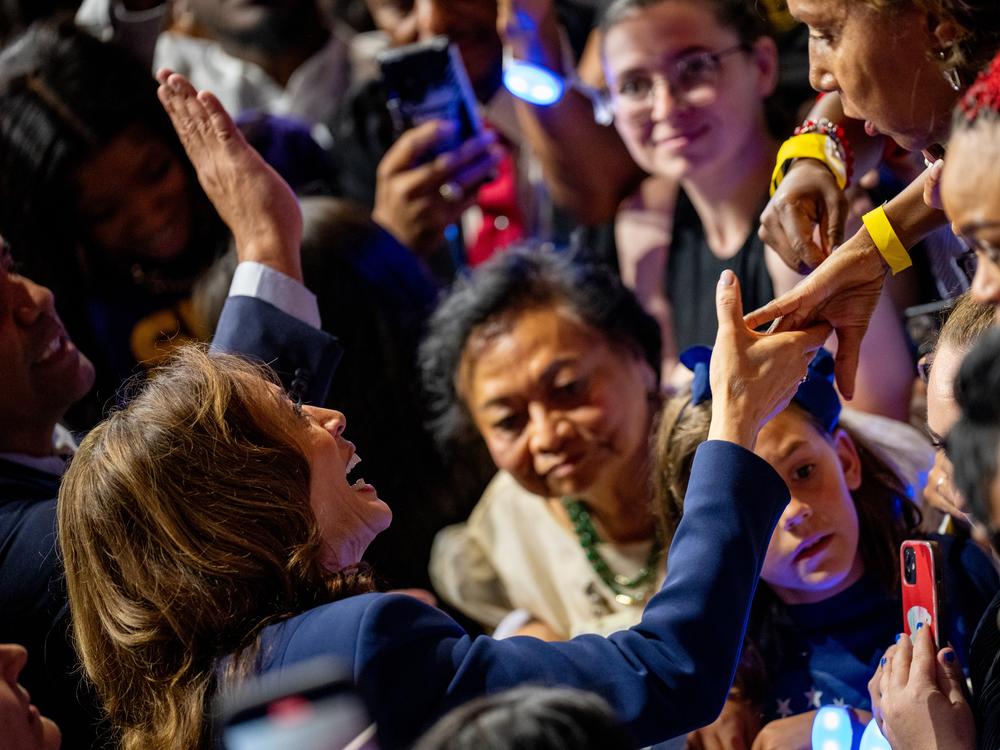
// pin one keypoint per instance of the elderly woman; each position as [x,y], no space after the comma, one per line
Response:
[554,364]
[209,532]
[899,67]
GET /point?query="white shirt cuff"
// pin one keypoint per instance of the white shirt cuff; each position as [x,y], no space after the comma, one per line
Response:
[253,279]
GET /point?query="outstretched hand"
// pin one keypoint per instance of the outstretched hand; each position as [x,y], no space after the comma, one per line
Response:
[843,291]
[256,204]
[753,375]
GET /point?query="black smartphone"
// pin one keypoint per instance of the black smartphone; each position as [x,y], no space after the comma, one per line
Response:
[427,81]
[312,705]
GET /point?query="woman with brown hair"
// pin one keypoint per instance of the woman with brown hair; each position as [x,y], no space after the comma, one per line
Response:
[209,532]
[829,606]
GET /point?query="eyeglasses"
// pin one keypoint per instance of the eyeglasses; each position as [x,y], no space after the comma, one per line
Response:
[924,367]
[692,78]
[976,247]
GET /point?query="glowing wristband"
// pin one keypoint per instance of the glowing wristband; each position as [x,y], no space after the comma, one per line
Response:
[885,239]
[817,146]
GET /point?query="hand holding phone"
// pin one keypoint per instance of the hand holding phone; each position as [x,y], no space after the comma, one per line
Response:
[427,81]
[920,585]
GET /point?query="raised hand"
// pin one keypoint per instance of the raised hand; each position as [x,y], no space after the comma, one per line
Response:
[753,375]
[843,291]
[256,204]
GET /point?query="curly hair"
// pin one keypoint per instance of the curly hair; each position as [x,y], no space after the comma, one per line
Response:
[65,96]
[186,528]
[977,23]
[486,304]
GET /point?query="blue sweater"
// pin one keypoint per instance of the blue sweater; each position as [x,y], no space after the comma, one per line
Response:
[667,675]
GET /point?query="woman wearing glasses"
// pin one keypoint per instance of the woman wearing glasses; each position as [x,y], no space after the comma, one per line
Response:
[690,84]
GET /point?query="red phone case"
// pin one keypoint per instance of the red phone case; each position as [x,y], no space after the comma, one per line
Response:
[921,601]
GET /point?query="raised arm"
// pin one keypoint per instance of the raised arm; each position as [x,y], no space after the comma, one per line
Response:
[274,319]
[672,672]
[587,167]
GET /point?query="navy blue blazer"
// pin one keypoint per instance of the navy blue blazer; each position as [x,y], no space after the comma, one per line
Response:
[33,607]
[669,674]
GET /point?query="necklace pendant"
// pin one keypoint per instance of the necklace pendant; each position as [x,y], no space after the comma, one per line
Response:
[628,601]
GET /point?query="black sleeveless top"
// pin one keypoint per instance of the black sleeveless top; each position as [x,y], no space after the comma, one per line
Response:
[693,272]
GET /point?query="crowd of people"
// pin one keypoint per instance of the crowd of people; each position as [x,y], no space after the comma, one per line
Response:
[651,382]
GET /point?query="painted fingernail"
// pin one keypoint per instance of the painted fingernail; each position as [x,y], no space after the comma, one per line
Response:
[949,656]
[882,663]
[919,625]
[898,636]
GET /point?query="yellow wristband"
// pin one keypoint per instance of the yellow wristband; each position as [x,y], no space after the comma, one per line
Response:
[885,239]
[817,146]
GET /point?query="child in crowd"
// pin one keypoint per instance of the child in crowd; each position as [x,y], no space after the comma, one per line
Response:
[829,606]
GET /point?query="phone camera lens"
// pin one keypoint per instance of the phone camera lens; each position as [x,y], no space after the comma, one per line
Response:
[909,566]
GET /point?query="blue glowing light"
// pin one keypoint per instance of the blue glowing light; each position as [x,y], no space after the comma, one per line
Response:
[832,729]
[534,84]
[872,739]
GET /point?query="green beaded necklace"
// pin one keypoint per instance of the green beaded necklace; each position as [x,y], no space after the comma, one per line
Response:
[589,538]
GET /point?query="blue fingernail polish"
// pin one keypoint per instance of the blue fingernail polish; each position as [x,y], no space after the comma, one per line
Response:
[883,661]
[898,636]
[919,625]
[949,656]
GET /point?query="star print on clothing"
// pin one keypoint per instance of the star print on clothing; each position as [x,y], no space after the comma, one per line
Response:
[784,708]
[839,702]
[813,696]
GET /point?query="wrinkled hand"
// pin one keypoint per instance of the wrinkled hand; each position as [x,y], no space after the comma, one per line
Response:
[408,193]
[807,198]
[919,699]
[940,492]
[735,729]
[843,291]
[753,375]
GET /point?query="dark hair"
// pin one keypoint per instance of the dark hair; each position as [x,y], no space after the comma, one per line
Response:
[520,279]
[977,23]
[748,22]
[64,95]
[973,441]
[741,16]
[981,103]
[529,718]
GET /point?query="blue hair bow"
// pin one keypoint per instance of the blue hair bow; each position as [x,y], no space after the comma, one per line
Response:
[816,393]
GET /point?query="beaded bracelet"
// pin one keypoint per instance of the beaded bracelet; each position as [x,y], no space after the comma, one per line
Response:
[886,240]
[822,140]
